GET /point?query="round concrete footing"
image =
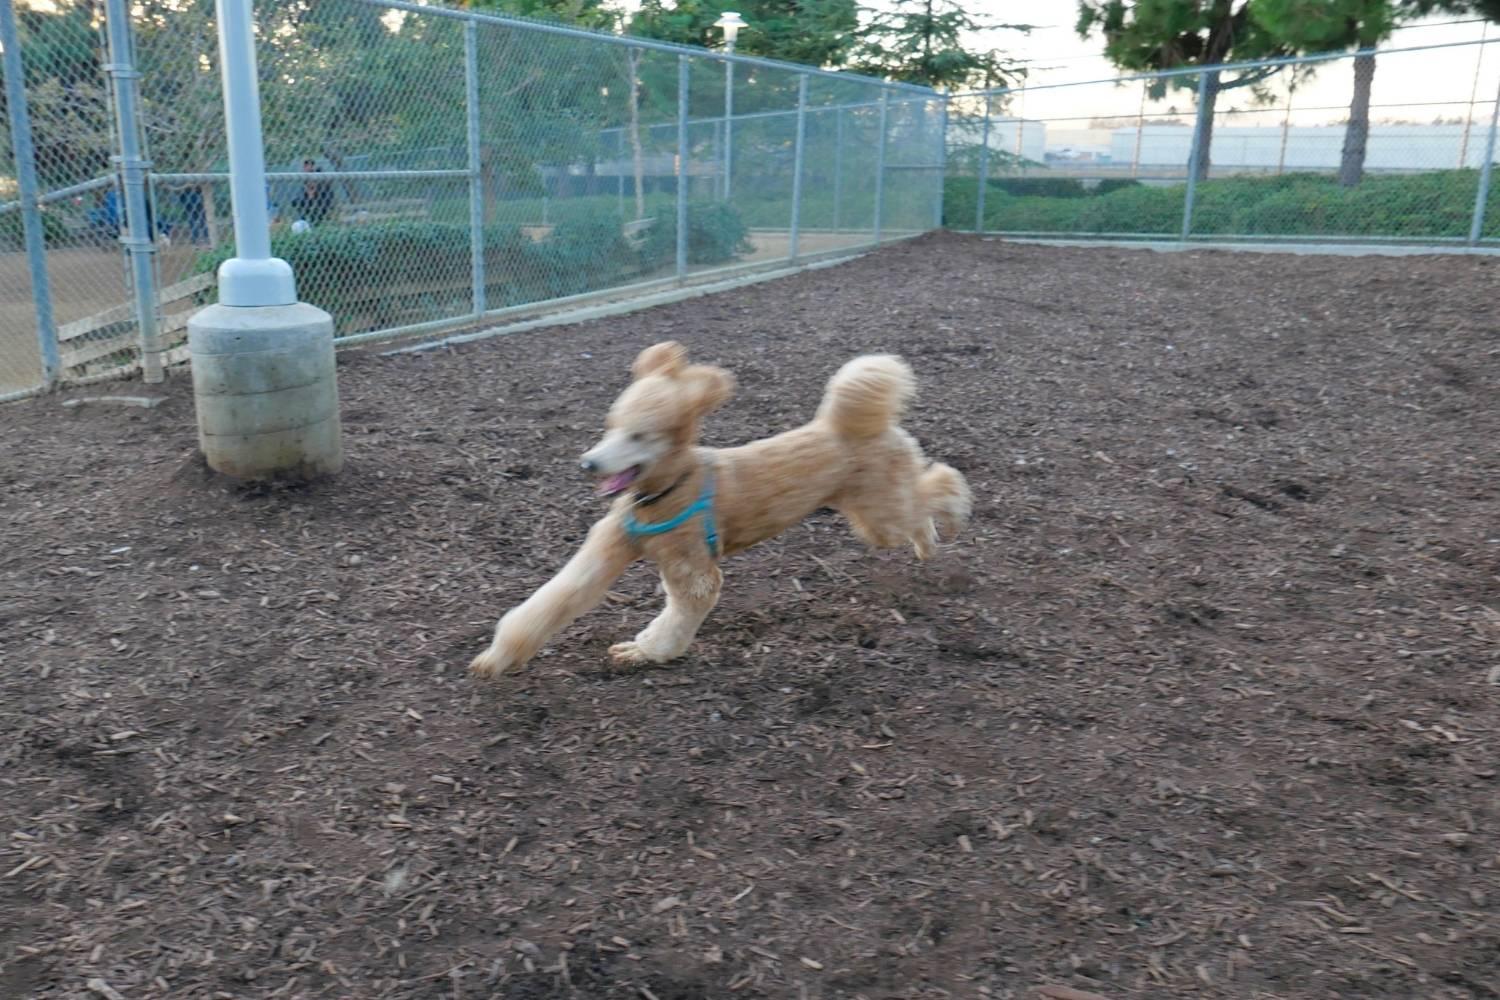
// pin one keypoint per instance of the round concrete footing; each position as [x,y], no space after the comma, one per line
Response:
[266,392]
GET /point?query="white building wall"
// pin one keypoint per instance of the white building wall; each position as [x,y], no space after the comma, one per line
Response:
[1016,136]
[1308,147]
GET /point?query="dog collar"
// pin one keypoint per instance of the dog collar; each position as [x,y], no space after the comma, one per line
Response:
[703,506]
[647,501]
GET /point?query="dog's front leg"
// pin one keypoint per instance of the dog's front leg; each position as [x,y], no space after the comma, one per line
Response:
[577,588]
[692,591]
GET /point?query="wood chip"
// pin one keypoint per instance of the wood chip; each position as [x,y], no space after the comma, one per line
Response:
[1067,993]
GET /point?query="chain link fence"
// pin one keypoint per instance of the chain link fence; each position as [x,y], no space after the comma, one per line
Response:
[1266,151]
[431,168]
[427,168]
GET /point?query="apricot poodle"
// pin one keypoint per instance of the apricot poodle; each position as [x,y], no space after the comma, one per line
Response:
[684,507]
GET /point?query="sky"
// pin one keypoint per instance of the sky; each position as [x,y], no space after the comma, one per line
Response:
[1418,87]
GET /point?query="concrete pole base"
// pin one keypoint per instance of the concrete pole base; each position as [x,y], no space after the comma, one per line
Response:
[266,391]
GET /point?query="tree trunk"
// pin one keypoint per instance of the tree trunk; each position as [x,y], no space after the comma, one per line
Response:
[633,61]
[1357,132]
[1206,115]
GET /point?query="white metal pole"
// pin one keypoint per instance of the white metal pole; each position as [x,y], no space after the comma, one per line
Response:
[885,110]
[682,166]
[1195,155]
[984,168]
[138,235]
[31,215]
[476,176]
[942,164]
[798,159]
[728,117]
[1140,130]
[838,165]
[1482,196]
[265,379]
[1286,129]
[252,277]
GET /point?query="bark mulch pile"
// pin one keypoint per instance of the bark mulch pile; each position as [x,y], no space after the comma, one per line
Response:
[1205,703]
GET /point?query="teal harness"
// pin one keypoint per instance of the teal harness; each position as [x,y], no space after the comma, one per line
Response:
[703,506]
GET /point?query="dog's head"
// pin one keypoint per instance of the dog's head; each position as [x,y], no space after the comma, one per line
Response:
[654,423]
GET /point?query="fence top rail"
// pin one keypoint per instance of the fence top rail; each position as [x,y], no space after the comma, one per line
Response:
[1253,64]
[634,42]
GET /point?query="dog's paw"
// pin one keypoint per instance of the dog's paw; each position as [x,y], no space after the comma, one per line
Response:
[627,654]
[633,654]
[493,662]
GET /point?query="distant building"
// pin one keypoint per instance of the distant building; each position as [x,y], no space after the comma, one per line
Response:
[1013,136]
[1396,148]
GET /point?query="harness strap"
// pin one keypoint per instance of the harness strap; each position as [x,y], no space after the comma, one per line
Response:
[703,506]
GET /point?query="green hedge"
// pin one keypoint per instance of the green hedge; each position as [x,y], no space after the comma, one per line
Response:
[386,274]
[716,235]
[13,230]
[1413,206]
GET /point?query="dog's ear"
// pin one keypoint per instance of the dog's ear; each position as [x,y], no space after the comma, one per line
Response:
[667,358]
[712,387]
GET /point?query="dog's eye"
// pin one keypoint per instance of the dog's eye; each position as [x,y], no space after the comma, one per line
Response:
[637,436]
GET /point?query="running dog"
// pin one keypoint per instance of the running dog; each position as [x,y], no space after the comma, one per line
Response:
[684,507]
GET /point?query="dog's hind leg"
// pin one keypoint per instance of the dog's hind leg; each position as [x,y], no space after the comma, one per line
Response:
[884,502]
[692,591]
[945,498]
[899,499]
[576,589]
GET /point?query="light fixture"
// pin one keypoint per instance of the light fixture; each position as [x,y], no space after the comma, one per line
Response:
[730,23]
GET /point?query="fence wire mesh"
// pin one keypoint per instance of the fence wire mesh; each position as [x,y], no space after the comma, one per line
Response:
[431,167]
[426,167]
[1276,154]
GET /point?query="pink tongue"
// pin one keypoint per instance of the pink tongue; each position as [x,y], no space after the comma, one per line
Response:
[617,482]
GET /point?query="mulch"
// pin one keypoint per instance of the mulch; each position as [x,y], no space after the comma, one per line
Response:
[1204,703]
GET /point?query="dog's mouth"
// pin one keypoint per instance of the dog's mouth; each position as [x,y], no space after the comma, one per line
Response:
[619,482]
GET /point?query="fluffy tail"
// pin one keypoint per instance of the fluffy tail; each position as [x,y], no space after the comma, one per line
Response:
[868,395]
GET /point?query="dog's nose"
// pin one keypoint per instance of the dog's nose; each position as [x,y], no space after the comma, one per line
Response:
[588,465]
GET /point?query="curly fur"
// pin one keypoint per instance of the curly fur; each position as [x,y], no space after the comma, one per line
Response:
[852,456]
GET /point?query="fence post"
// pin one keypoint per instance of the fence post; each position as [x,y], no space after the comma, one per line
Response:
[728,123]
[885,109]
[138,237]
[31,213]
[984,168]
[798,154]
[682,166]
[1482,196]
[1286,128]
[476,175]
[265,384]
[717,155]
[620,170]
[838,164]
[1195,156]
[942,164]
[1140,130]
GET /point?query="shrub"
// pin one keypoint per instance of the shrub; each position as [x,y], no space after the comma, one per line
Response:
[1040,187]
[584,252]
[386,274]
[13,232]
[1430,205]
[716,235]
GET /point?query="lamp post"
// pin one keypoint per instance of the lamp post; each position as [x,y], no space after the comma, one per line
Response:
[263,367]
[730,23]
